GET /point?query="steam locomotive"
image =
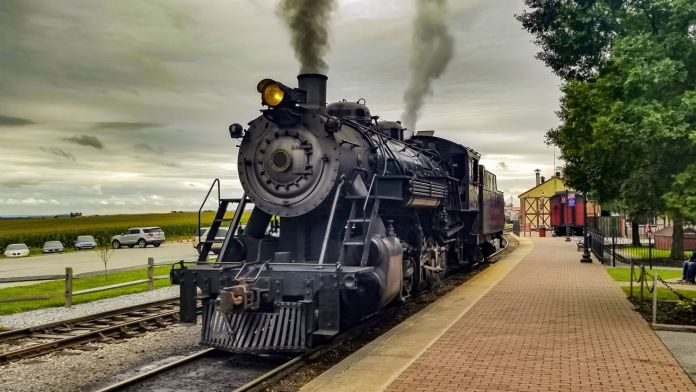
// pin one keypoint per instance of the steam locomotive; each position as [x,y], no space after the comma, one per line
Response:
[348,216]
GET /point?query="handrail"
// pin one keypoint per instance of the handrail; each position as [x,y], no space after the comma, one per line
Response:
[369,192]
[330,222]
[216,181]
[234,225]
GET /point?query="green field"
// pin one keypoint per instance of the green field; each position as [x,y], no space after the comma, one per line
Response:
[56,289]
[34,232]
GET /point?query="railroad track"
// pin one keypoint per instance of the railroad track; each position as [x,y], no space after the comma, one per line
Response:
[119,323]
[504,245]
[277,373]
[264,379]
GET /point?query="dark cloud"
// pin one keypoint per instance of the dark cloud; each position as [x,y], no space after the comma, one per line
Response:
[124,125]
[144,147]
[86,140]
[18,182]
[162,73]
[59,153]
[502,165]
[14,121]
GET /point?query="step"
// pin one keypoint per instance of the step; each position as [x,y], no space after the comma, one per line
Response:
[325,332]
[353,243]
[359,220]
[381,197]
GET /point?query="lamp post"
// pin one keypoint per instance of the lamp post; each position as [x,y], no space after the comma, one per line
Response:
[585,250]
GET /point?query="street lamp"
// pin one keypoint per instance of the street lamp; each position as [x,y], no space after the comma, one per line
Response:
[585,250]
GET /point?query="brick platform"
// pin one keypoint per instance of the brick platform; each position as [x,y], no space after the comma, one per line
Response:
[552,324]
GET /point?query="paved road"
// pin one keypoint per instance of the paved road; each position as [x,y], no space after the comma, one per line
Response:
[87,261]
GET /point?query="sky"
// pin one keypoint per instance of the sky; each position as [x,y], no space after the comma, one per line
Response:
[123,106]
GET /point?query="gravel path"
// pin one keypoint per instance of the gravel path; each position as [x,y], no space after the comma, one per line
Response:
[50,315]
[62,371]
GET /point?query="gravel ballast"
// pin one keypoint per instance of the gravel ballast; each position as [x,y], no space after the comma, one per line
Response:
[85,370]
[51,315]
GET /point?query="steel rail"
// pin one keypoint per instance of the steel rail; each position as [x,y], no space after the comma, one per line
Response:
[76,332]
[144,376]
[75,340]
[501,249]
[278,373]
[6,336]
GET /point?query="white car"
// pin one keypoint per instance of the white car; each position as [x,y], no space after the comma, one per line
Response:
[17,250]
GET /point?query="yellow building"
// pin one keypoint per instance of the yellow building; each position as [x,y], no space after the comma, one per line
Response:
[535,207]
[535,204]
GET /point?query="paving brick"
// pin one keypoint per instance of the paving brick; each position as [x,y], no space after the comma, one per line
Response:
[552,324]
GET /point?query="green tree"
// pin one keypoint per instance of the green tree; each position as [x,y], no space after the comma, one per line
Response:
[627,113]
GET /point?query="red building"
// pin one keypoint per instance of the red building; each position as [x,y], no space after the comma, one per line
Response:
[663,238]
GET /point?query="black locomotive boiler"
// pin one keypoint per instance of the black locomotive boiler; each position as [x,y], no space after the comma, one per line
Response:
[365,218]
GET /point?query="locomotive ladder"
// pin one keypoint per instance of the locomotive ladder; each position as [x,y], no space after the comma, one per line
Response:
[223,206]
[354,220]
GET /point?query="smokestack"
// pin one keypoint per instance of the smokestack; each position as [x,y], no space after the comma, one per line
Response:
[308,21]
[431,50]
[315,86]
[538,179]
[543,179]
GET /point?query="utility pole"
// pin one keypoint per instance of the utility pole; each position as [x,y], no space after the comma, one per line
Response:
[585,250]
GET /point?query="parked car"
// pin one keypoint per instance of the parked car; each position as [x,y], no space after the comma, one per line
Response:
[85,242]
[203,233]
[140,236]
[17,250]
[53,247]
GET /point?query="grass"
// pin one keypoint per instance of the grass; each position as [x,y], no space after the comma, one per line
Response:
[662,293]
[621,274]
[34,232]
[57,288]
[641,252]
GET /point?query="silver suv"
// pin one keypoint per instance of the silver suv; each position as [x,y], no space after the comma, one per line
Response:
[139,236]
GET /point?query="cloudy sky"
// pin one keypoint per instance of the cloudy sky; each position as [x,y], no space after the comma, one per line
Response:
[123,106]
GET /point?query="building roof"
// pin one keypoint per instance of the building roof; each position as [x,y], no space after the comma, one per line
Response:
[548,188]
[689,232]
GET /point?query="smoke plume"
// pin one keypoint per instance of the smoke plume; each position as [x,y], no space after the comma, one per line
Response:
[431,51]
[308,21]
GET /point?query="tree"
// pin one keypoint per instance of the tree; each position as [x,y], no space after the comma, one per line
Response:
[627,114]
[575,36]
[105,251]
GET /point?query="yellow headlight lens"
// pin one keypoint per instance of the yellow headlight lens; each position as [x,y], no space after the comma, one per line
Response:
[273,95]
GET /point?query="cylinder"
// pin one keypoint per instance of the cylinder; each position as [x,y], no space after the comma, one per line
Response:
[315,86]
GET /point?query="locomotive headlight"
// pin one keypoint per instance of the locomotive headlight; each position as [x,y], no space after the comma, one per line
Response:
[272,92]
[273,95]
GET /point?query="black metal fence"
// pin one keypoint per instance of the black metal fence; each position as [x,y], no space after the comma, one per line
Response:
[621,251]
